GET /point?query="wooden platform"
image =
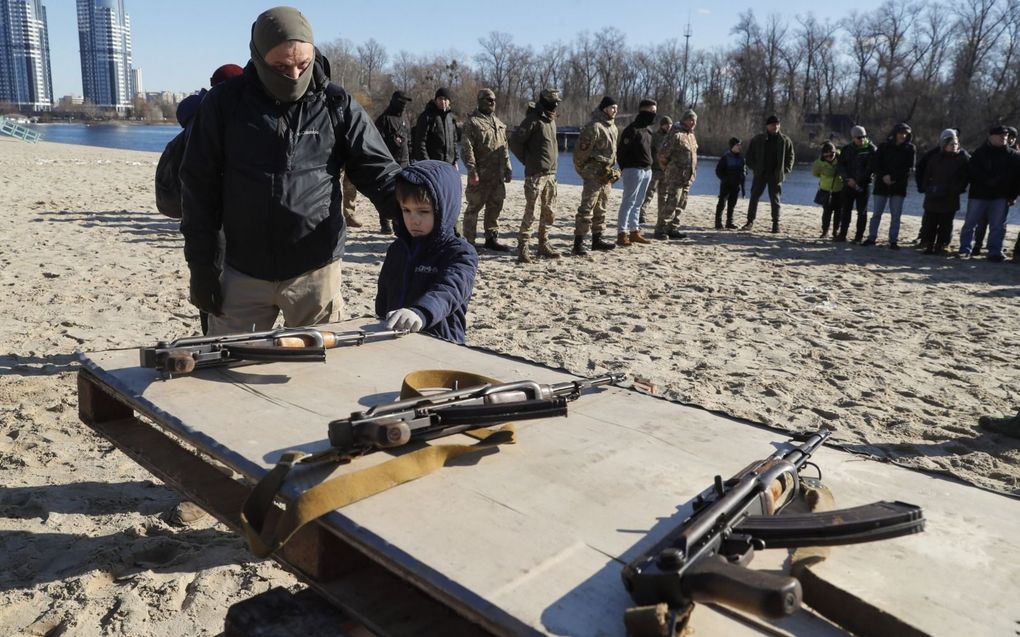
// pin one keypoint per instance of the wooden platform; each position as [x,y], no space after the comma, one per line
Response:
[530,540]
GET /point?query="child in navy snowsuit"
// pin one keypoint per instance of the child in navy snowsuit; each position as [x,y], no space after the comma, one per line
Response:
[426,280]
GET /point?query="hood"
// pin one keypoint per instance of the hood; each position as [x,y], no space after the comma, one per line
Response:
[443,184]
[188,107]
[900,127]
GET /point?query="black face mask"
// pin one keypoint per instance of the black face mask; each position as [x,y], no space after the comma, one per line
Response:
[397,107]
[643,119]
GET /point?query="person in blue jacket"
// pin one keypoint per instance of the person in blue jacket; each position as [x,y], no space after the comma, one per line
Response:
[426,280]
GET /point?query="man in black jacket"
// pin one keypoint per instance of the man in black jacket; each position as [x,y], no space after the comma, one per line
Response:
[262,163]
[893,163]
[770,156]
[435,134]
[635,155]
[855,165]
[994,174]
[396,134]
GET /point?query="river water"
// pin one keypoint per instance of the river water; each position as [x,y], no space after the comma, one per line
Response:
[799,188]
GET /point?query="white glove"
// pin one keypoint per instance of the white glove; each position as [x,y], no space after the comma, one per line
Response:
[404,319]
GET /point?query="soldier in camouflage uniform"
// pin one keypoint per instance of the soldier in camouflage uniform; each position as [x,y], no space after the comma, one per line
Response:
[349,202]
[486,156]
[595,162]
[679,159]
[658,137]
[534,144]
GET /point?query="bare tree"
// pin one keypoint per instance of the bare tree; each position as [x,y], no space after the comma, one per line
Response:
[344,66]
[372,58]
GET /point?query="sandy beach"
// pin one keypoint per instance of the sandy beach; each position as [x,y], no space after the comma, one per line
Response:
[897,352]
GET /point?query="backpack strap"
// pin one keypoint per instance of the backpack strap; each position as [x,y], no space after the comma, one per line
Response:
[336,98]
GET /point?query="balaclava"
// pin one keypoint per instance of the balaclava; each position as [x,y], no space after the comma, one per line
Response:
[486,101]
[274,27]
[644,118]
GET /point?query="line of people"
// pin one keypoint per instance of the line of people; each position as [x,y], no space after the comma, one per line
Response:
[942,175]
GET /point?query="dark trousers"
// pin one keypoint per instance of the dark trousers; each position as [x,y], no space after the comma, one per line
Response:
[728,195]
[758,185]
[937,229]
[851,198]
[831,212]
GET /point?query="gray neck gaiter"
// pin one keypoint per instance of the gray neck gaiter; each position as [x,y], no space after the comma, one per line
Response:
[272,28]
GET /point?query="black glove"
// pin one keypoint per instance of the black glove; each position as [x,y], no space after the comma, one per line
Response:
[206,294]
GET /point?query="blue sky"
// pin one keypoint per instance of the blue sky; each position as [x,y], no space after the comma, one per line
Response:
[177,44]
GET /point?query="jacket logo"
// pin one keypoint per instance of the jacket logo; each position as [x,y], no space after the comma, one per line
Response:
[308,132]
[426,269]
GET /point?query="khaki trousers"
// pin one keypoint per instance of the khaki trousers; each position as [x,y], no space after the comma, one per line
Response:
[253,305]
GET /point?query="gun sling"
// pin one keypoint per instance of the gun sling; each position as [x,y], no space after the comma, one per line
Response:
[347,489]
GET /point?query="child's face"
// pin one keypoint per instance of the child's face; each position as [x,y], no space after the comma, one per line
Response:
[418,217]
[736,148]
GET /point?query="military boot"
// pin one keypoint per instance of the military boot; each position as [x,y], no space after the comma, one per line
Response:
[545,251]
[385,226]
[775,227]
[522,252]
[598,244]
[578,249]
[491,243]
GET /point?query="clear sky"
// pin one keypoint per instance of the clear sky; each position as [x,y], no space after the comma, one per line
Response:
[177,44]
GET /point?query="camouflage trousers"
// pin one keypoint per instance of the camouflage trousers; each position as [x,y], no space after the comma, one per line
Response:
[654,186]
[675,203]
[488,193]
[350,196]
[541,190]
[591,214]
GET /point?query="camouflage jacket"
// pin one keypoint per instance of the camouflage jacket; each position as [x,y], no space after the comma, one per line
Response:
[595,153]
[658,137]
[484,147]
[679,156]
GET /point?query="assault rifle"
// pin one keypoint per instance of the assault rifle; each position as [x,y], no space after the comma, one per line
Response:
[303,344]
[705,558]
[454,411]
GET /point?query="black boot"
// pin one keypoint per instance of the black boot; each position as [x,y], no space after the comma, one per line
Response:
[775,227]
[385,226]
[578,250]
[598,244]
[492,244]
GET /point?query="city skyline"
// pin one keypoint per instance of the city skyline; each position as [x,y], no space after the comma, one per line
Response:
[179,48]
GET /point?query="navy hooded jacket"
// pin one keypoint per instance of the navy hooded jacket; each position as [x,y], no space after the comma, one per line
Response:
[433,275]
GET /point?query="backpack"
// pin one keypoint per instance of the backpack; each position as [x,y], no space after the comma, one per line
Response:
[168,176]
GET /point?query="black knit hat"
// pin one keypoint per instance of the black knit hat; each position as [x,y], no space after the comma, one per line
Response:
[443,92]
[773,119]
[734,141]
[606,102]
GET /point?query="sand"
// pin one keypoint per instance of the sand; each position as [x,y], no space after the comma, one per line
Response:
[899,353]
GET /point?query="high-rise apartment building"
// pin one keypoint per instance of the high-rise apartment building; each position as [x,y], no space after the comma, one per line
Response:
[104,37]
[25,78]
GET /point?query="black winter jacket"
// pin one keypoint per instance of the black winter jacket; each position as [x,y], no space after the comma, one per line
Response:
[266,172]
[994,173]
[857,163]
[435,135]
[635,147]
[942,177]
[731,171]
[895,160]
[432,275]
[395,132]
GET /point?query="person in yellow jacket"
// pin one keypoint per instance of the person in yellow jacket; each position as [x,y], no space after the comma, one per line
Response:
[830,187]
[595,162]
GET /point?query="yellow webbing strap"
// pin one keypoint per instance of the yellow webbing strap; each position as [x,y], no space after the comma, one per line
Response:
[346,489]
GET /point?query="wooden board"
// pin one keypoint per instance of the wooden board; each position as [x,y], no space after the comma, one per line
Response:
[530,540]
